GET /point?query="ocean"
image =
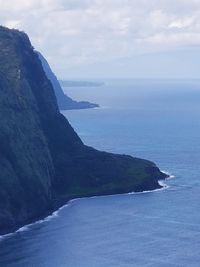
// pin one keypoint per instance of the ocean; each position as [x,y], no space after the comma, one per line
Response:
[152,119]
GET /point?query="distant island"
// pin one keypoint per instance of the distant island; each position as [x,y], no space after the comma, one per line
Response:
[43,161]
[80,83]
[64,102]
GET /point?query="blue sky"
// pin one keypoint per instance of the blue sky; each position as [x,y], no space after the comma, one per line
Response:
[111,38]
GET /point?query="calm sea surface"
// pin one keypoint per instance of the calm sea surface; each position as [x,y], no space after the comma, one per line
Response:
[156,120]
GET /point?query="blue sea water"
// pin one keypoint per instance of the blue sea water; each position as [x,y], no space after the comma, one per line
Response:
[153,119]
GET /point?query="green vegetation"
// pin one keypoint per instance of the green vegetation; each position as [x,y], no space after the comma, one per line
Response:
[43,162]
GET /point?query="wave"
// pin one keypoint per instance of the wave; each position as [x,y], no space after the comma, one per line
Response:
[161,183]
[56,213]
[5,236]
[170,176]
[28,226]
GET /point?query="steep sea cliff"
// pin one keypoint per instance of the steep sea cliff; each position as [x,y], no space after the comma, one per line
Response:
[43,161]
[64,102]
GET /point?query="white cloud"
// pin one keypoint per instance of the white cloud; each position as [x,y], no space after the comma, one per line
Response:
[182,23]
[12,23]
[78,32]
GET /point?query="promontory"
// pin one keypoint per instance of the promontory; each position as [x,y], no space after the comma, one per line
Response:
[43,162]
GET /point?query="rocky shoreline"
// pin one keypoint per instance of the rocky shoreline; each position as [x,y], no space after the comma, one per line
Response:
[43,161]
[62,202]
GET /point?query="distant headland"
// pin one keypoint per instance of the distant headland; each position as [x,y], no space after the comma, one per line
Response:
[80,83]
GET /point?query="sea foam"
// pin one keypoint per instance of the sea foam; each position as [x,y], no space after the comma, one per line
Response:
[56,213]
[29,226]
[161,183]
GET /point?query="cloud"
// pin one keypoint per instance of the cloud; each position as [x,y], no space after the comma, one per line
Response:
[12,23]
[79,32]
[183,22]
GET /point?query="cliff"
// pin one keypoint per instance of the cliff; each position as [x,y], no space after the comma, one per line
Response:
[43,162]
[64,101]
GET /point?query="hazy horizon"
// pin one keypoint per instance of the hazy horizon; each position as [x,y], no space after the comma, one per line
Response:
[93,38]
[180,64]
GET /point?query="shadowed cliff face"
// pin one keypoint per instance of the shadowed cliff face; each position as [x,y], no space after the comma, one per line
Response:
[64,101]
[43,162]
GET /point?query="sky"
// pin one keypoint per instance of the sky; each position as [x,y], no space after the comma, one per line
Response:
[111,38]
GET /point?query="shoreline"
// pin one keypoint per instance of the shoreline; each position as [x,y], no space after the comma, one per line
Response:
[55,213]
[162,183]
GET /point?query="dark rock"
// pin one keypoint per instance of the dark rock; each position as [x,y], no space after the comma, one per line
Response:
[43,162]
[64,101]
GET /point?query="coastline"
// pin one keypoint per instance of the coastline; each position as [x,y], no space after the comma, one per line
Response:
[54,213]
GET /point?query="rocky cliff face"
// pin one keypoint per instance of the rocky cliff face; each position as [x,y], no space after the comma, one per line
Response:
[43,162]
[64,101]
